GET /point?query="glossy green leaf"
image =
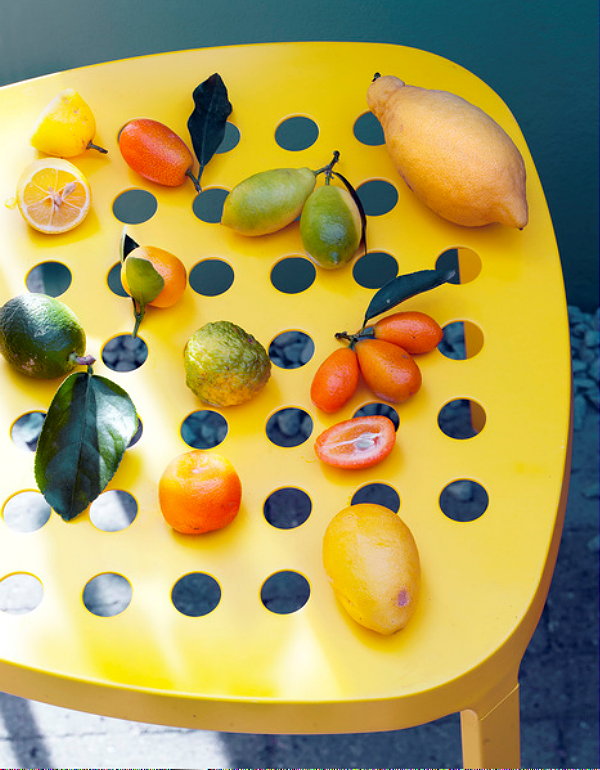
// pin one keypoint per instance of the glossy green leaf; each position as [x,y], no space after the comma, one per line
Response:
[127,245]
[87,429]
[143,279]
[405,286]
[207,122]
[361,210]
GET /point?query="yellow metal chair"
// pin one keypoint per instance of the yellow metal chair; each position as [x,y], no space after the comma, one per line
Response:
[243,667]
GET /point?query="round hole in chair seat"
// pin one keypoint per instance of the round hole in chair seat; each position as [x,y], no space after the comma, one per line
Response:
[107,594]
[51,278]
[379,494]
[464,500]
[291,349]
[289,427]
[461,418]
[20,593]
[375,269]
[368,130]
[204,429]
[287,508]
[208,204]
[377,196]
[296,133]
[196,594]
[135,206]
[113,510]
[292,275]
[461,340]
[285,592]
[26,429]
[26,511]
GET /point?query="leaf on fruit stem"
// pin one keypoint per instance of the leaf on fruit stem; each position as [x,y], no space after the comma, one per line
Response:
[359,205]
[143,279]
[405,286]
[207,122]
[127,245]
[87,429]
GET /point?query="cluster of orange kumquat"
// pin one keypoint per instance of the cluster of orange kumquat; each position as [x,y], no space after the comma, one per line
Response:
[383,355]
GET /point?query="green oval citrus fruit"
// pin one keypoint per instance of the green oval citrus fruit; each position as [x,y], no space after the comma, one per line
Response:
[330,226]
[40,336]
[224,365]
[268,201]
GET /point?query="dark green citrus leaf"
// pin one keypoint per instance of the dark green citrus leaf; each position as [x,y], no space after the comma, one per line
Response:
[403,287]
[359,206]
[87,429]
[207,122]
[143,279]
[127,245]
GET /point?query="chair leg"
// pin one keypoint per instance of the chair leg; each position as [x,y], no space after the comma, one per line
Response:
[491,738]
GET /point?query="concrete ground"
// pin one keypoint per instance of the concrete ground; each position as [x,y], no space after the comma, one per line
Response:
[559,689]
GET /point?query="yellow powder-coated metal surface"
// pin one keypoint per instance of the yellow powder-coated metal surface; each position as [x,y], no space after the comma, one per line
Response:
[241,666]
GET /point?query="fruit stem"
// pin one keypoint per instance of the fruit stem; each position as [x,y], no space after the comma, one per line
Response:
[195,180]
[376,76]
[328,169]
[139,314]
[82,360]
[92,146]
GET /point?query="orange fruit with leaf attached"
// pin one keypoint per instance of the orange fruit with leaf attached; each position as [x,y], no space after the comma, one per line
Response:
[388,370]
[199,492]
[336,380]
[414,331]
[170,268]
[155,152]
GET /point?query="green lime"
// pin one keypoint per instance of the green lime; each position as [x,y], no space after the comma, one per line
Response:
[330,226]
[40,336]
[224,365]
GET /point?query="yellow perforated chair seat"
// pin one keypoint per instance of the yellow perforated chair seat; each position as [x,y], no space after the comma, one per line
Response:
[242,666]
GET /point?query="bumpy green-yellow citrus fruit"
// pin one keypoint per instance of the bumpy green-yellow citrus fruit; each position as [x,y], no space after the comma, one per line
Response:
[330,226]
[224,365]
[268,201]
[40,335]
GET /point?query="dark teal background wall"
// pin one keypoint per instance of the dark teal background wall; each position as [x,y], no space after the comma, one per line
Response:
[541,56]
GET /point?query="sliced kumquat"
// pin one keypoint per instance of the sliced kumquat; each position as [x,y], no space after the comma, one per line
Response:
[359,442]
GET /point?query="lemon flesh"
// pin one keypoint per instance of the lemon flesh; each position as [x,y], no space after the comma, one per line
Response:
[65,127]
[53,195]
[224,365]
[268,201]
[330,226]
[40,336]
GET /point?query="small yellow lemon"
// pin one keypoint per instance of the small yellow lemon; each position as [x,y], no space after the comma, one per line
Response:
[65,127]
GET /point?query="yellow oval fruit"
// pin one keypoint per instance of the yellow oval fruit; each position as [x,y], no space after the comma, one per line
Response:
[453,156]
[372,561]
[65,127]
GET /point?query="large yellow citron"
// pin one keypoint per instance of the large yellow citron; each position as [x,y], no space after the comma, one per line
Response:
[453,155]
[372,560]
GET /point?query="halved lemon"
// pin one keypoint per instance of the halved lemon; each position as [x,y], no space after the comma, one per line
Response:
[53,195]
